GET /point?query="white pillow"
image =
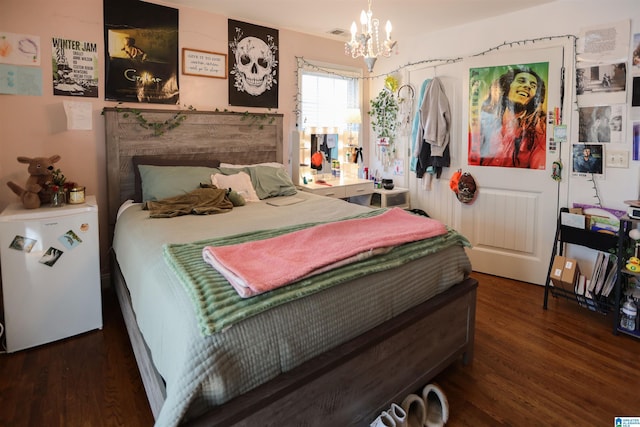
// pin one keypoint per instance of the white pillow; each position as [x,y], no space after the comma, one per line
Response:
[271,164]
[239,182]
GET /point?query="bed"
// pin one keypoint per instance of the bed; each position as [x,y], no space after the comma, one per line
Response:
[335,356]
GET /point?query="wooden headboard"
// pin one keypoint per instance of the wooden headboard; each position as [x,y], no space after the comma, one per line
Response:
[240,138]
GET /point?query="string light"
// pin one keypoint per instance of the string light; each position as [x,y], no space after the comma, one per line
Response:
[303,63]
[595,190]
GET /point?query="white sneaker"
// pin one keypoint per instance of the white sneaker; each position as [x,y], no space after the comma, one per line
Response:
[413,406]
[383,420]
[437,407]
[398,414]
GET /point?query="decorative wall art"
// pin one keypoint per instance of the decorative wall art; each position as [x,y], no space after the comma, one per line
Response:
[253,65]
[203,63]
[604,123]
[19,49]
[75,67]
[601,84]
[635,58]
[601,63]
[635,96]
[507,115]
[141,52]
[636,141]
[20,80]
[20,72]
[587,159]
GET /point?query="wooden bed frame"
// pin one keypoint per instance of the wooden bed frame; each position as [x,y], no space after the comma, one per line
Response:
[348,385]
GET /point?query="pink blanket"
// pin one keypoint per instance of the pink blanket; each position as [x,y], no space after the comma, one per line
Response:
[263,265]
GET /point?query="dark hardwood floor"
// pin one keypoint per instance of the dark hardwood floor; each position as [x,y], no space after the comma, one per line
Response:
[89,380]
[560,367]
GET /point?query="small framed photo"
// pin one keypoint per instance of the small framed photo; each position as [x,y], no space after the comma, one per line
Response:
[205,64]
[588,159]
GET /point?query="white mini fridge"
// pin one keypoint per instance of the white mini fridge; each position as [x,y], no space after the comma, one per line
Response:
[50,273]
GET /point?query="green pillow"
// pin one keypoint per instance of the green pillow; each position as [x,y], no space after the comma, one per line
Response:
[268,181]
[161,182]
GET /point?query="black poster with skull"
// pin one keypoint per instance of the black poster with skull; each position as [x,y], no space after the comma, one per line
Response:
[253,65]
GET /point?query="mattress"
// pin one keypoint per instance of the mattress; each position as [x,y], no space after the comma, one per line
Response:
[205,371]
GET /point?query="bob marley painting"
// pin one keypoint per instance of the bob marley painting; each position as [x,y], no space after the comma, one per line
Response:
[253,65]
[507,113]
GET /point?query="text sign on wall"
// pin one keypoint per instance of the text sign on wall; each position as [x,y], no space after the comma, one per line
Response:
[203,63]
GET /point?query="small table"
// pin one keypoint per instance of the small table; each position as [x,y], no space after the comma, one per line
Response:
[397,197]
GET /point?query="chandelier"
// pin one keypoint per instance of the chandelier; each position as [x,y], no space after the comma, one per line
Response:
[367,43]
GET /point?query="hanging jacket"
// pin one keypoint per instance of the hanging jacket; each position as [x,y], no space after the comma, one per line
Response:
[433,130]
[416,144]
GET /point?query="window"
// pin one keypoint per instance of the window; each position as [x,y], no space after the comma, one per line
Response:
[326,94]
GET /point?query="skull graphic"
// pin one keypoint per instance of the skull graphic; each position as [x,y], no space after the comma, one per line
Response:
[254,62]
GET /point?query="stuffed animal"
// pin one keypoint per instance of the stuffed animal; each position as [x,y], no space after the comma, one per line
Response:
[40,170]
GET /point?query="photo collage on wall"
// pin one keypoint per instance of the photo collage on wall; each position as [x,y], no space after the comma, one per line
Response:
[601,89]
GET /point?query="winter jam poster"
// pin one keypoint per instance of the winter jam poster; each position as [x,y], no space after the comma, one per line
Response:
[253,65]
[75,68]
[141,54]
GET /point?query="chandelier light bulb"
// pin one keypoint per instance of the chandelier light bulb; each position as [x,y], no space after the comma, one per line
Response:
[363,19]
[366,43]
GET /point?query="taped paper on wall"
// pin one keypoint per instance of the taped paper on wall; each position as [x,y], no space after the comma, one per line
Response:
[78,115]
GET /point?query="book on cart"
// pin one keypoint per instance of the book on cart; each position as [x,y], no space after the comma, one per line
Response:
[580,290]
[598,266]
[612,276]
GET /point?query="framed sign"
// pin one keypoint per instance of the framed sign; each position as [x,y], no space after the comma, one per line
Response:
[202,63]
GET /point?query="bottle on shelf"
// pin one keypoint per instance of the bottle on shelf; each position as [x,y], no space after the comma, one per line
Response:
[628,315]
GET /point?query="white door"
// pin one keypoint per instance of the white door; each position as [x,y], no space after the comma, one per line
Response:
[511,224]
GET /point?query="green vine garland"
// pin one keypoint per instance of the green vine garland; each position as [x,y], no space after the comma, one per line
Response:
[158,128]
[258,118]
[174,121]
[255,118]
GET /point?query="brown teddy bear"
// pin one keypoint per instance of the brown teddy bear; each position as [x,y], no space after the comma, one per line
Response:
[40,171]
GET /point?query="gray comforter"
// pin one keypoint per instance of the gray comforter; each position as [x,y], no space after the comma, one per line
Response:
[201,372]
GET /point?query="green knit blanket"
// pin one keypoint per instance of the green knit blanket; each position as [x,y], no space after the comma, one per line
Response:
[217,305]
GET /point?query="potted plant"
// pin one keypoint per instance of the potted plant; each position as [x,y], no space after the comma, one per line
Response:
[59,188]
[384,118]
[384,112]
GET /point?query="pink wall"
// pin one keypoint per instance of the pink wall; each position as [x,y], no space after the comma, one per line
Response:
[36,125]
